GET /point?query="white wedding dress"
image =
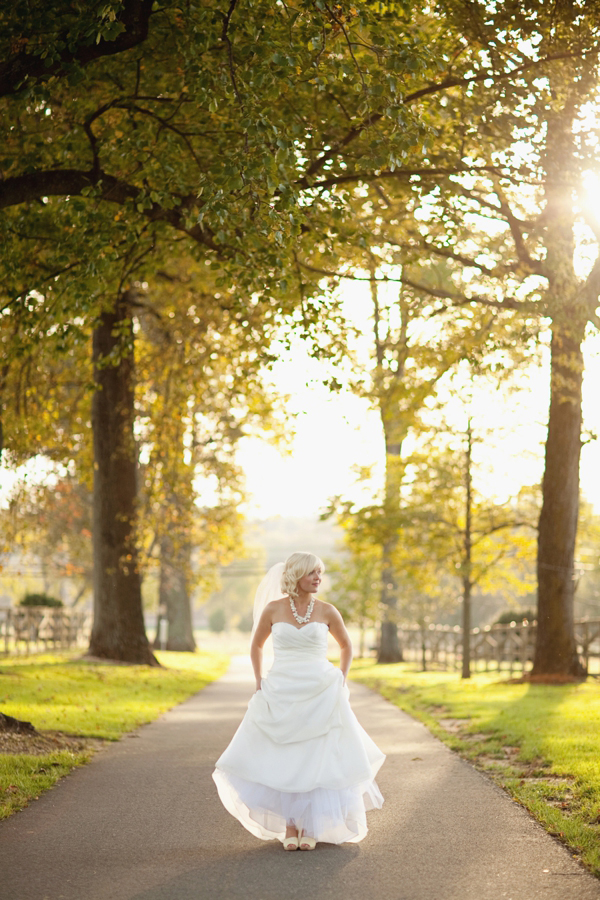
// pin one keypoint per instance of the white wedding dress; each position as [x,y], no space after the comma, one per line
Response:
[300,755]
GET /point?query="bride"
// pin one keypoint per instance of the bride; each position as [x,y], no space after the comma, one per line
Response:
[300,768]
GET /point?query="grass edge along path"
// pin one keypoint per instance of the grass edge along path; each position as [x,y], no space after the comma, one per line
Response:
[540,743]
[77,705]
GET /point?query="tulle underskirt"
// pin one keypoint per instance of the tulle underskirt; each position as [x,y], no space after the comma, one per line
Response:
[333,816]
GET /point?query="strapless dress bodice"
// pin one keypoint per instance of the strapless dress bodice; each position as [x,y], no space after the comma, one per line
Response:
[309,641]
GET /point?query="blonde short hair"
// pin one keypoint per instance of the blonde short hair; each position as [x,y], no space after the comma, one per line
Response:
[296,566]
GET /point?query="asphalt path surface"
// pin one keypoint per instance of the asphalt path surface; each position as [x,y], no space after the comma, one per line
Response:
[143,821]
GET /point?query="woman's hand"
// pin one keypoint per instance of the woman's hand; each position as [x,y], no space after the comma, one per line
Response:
[263,630]
[337,630]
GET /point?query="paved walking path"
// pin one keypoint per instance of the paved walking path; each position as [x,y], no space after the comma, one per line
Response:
[142,822]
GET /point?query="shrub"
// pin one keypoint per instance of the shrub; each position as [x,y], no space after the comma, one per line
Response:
[246,622]
[515,615]
[217,620]
[40,600]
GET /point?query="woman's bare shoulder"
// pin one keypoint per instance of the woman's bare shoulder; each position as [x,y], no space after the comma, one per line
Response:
[326,605]
[328,609]
[276,605]
[279,602]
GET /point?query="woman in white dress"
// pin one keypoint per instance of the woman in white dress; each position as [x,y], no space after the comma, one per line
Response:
[300,768]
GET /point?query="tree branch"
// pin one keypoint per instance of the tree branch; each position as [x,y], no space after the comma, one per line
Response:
[133,107]
[73,182]
[331,274]
[227,42]
[464,300]
[340,23]
[535,266]
[422,172]
[448,82]
[438,293]
[463,81]
[516,523]
[353,133]
[590,292]
[594,318]
[444,252]
[23,66]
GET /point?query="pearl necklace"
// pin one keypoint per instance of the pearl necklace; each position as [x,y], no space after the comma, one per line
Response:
[302,620]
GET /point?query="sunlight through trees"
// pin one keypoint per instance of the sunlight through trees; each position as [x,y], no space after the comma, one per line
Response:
[183,187]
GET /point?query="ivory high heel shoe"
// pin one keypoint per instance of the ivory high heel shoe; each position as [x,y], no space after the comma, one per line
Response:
[307,843]
[290,843]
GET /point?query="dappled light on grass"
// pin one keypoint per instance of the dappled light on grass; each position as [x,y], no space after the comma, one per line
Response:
[539,742]
[61,693]
[100,699]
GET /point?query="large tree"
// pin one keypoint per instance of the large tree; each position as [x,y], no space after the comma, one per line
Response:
[200,389]
[499,207]
[475,542]
[51,523]
[213,125]
[415,346]
[525,124]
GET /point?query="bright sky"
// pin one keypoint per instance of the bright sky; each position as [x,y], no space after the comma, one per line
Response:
[337,432]
[334,433]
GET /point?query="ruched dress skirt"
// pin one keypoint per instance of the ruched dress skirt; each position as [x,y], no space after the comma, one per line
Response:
[300,756]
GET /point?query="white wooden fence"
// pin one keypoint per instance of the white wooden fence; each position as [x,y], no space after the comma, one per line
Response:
[31,629]
[507,647]
[510,647]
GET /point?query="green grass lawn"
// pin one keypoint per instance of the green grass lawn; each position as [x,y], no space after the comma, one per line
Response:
[539,742]
[59,693]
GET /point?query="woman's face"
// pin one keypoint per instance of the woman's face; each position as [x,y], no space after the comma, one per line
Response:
[309,584]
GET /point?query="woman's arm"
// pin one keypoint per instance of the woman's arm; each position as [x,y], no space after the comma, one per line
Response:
[337,629]
[263,630]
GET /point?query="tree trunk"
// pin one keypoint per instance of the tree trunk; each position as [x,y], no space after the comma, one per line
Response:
[174,597]
[389,650]
[118,631]
[467,560]
[466,629]
[556,650]
[158,637]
